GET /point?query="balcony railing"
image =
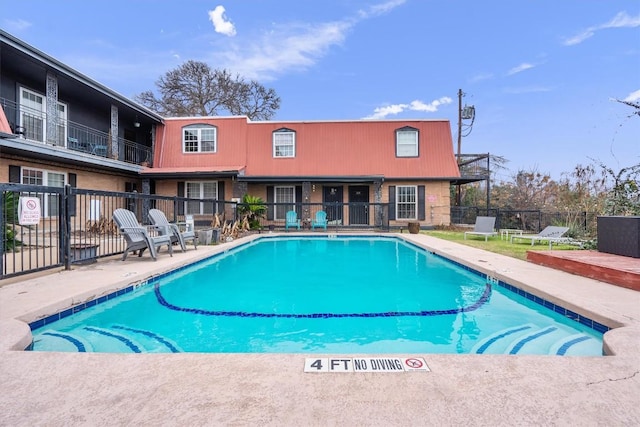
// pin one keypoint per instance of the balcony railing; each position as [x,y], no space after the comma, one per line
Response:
[38,126]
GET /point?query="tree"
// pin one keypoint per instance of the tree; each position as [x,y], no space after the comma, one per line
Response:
[634,105]
[529,190]
[623,198]
[194,89]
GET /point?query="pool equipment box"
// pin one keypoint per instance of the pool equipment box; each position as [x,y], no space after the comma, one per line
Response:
[619,235]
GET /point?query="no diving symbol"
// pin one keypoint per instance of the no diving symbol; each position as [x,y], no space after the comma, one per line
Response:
[414,363]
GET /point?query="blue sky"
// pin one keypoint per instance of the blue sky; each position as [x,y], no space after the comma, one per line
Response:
[542,75]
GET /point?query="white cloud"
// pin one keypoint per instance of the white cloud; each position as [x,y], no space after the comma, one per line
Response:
[480,77]
[16,24]
[633,96]
[278,52]
[220,22]
[295,46]
[380,8]
[621,20]
[526,89]
[388,110]
[520,68]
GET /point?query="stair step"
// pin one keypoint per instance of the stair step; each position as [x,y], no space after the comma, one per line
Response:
[576,345]
[51,340]
[497,343]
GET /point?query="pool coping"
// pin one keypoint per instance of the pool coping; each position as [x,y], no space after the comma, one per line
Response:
[16,333]
[53,388]
[272,389]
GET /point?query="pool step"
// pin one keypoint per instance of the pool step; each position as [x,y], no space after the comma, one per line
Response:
[497,343]
[116,339]
[577,345]
[533,339]
[51,340]
[536,341]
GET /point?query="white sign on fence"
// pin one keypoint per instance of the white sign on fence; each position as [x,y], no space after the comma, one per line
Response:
[29,211]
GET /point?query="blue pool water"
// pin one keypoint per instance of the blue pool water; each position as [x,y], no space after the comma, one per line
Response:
[322,295]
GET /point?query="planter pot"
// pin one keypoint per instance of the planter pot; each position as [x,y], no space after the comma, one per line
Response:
[208,236]
[205,236]
[619,235]
[414,227]
[83,253]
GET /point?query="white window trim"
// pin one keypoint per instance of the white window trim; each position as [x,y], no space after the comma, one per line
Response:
[42,114]
[198,129]
[415,144]
[415,203]
[275,199]
[45,183]
[293,144]
[200,196]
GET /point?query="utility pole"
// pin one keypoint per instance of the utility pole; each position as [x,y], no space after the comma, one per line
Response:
[460,95]
[466,113]
[459,158]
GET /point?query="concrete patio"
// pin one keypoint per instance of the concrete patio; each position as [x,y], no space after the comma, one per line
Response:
[46,388]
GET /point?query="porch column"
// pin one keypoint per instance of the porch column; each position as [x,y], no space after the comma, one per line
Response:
[112,152]
[306,198]
[239,189]
[53,119]
[378,209]
[146,203]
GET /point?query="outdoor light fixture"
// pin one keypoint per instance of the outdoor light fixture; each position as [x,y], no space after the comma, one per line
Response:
[136,124]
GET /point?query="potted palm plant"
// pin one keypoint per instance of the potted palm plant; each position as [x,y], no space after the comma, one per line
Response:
[254,209]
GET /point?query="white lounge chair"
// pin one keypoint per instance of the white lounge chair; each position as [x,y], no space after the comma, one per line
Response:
[136,236]
[162,224]
[485,226]
[551,234]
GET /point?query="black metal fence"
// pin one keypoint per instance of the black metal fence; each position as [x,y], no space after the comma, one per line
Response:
[581,224]
[76,225]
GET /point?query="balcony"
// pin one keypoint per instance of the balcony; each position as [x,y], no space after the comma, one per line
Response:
[37,126]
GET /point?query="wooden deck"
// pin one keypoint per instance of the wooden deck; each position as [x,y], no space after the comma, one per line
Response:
[615,269]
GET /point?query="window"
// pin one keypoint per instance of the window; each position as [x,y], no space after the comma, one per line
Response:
[48,201]
[285,198]
[199,139]
[33,118]
[406,202]
[284,143]
[201,190]
[407,142]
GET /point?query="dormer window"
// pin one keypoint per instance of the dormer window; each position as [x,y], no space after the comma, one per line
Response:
[284,143]
[407,142]
[199,138]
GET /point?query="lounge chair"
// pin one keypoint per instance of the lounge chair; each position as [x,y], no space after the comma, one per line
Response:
[136,236]
[551,234]
[291,220]
[484,226]
[162,224]
[320,221]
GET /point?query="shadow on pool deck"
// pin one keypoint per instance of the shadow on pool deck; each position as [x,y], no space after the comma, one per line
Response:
[272,389]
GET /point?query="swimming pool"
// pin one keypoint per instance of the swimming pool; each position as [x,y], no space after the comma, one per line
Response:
[323,294]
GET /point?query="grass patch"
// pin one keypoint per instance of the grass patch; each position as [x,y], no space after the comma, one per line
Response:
[517,249]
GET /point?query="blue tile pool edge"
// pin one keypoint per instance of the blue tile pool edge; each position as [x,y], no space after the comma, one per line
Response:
[592,324]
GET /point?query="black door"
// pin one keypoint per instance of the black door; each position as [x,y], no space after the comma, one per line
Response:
[358,205]
[332,200]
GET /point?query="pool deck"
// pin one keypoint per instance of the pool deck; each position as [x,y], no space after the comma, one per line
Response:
[46,388]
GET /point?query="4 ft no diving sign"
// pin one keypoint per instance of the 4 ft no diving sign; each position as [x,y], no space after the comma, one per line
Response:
[365,364]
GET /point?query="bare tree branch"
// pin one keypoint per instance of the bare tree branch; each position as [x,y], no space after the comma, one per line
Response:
[194,89]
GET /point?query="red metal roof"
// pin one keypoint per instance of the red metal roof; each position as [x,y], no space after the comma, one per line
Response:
[231,144]
[323,148]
